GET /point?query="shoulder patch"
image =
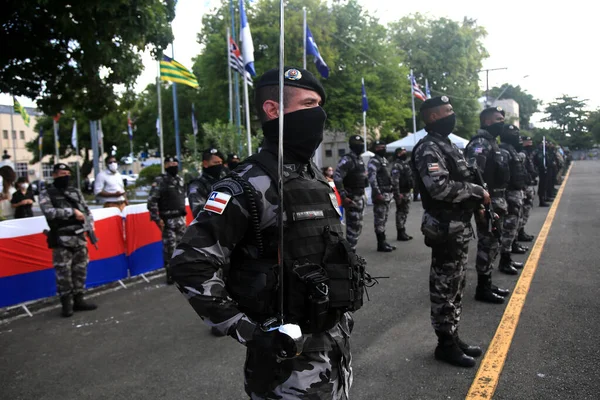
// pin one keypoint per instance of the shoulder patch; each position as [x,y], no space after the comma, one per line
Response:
[230,185]
[433,167]
[478,149]
[217,201]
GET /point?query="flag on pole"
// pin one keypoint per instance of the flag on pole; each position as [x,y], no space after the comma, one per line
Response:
[427,91]
[129,126]
[313,50]
[246,38]
[158,126]
[74,135]
[236,61]
[365,101]
[171,70]
[194,122]
[56,118]
[418,93]
[21,110]
[41,140]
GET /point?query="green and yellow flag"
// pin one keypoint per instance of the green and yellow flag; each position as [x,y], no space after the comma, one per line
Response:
[21,110]
[171,70]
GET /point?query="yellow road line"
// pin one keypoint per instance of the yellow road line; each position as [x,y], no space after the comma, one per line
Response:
[485,382]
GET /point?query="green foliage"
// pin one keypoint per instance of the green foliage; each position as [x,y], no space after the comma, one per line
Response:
[72,54]
[148,174]
[593,124]
[449,54]
[569,116]
[528,105]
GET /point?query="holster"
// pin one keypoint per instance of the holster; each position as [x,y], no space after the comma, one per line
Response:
[315,280]
[51,238]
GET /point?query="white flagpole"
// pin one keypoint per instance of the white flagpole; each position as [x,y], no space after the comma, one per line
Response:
[77,153]
[100,136]
[412,97]
[247,110]
[13,132]
[280,154]
[160,123]
[55,125]
[229,76]
[304,43]
[364,120]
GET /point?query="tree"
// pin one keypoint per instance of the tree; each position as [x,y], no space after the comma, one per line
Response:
[449,54]
[528,105]
[593,124]
[569,116]
[72,54]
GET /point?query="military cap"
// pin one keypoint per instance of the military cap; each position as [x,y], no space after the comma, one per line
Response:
[379,143]
[232,157]
[490,110]
[171,159]
[212,151]
[511,129]
[434,102]
[292,76]
[356,139]
[61,167]
[400,150]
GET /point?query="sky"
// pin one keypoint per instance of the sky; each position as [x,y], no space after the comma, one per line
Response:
[549,50]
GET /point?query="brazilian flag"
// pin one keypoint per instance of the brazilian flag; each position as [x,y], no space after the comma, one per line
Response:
[171,70]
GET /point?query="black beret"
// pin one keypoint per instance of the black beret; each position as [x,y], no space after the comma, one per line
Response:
[233,157]
[379,143]
[356,139]
[493,109]
[400,150]
[434,102]
[61,167]
[526,138]
[171,159]
[292,76]
[511,129]
[214,152]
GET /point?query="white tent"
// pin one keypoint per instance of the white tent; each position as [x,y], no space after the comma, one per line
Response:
[410,140]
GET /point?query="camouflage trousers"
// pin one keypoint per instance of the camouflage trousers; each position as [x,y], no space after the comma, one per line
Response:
[323,371]
[380,213]
[354,219]
[487,244]
[447,279]
[528,197]
[510,225]
[171,235]
[402,207]
[70,265]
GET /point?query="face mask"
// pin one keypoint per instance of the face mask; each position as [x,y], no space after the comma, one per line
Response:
[62,181]
[402,156]
[214,171]
[495,129]
[357,148]
[302,132]
[24,186]
[443,126]
[233,165]
[113,167]
[380,153]
[172,170]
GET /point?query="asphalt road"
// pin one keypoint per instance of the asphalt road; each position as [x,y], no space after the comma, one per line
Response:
[145,342]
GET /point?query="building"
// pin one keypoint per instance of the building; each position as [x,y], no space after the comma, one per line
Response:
[333,147]
[510,107]
[13,145]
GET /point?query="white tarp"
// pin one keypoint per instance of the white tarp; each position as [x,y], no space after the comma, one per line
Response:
[410,140]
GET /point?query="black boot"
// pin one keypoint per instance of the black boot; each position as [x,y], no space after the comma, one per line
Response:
[543,203]
[506,265]
[448,351]
[500,291]
[402,236]
[81,305]
[382,245]
[518,249]
[169,275]
[471,351]
[67,305]
[524,237]
[484,291]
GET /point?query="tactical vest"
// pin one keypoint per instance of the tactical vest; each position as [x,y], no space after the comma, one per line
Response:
[384,181]
[60,199]
[518,174]
[172,198]
[356,179]
[323,276]
[203,184]
[459,172]
[404,181]
[497,172]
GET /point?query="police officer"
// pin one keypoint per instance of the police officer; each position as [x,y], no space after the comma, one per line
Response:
[541,162]
[226,263]
[381,193]
[68,217]
[510,147]
[166,204]
[402,183]
[199,189]
[449,198]
[484,149]
[531,180]
[350,178]
[233,160]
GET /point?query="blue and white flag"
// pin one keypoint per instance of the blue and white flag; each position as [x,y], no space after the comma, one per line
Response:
[129,126]
[194,122]
[427,91]
[313,50]
[158,127]
[74,135]
[365,101]
[246,39]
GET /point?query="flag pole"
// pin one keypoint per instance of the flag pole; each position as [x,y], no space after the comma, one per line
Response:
[236,83]
[40,145]
[364,120]
[160,123]
[195,131]
[246,100]
[56,143]
[304,42]
[229,76]
[280,155]
[100,136]
[412,97]
[74,136]
[13,132]
[176,113]
[95,149]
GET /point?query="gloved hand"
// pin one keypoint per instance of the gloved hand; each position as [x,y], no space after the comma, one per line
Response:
[379,199]
[347,202]
[285,341]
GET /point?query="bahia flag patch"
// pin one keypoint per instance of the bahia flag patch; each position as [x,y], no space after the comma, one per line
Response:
[217,202]
[433,167]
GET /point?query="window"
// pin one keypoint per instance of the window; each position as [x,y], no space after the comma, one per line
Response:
[21,169]
[328,153]
[5,134]
[14,135]
[22,135]
[47,170]
[341,152]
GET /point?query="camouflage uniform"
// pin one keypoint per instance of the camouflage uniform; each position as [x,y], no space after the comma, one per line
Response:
[402,182]
[69,252]
[207,257]
[484,149]
[198,191]
[351,164]
[449,199]
[380,209]
[514,197]
[529,194]
[166,202]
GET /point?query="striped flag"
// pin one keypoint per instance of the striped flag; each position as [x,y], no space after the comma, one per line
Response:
[56,118]
[427,91]
[417,90]
[236,62]
[171,70]
[129,126]
[246,38]
[74,135]
[21,110]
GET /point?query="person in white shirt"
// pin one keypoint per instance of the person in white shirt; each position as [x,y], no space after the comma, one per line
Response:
[108,187]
